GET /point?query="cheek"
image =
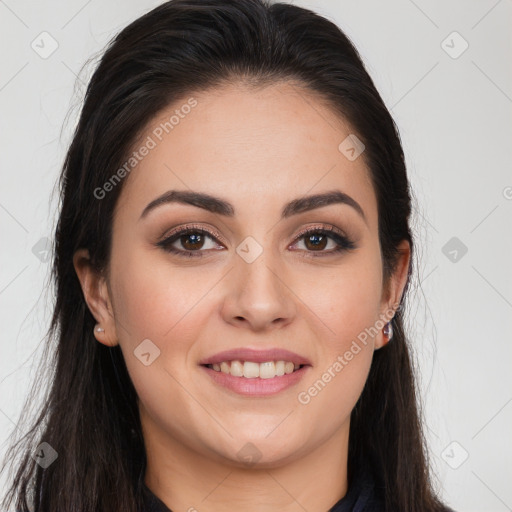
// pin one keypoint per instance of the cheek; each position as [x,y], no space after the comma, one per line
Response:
[346,299]
[167,305]
[160,303]
[350,310]
[338,379]
[154,299]
[333,392]
[348,305]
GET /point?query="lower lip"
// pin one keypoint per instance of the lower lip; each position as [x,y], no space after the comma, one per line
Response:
[257,386]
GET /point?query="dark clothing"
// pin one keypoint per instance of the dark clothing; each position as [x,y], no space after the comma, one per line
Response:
[359,498]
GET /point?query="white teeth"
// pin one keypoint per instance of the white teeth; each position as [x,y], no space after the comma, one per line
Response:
[237,369]
[288,367]
[252,370]
[267,370]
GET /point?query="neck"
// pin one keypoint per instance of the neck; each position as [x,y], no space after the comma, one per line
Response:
[186,480]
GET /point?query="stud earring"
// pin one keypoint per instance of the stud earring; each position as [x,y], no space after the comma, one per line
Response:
[98,328]
[388,330]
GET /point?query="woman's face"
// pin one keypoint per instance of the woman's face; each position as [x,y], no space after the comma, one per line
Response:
[255,282]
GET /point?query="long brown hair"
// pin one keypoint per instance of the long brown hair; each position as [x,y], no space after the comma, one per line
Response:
[89,415]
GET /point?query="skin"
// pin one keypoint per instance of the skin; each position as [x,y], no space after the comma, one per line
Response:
[257,149]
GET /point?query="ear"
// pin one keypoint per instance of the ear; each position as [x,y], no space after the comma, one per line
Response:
[96,294]
[392,292]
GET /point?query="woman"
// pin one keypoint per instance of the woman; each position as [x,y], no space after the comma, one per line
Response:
[232,259]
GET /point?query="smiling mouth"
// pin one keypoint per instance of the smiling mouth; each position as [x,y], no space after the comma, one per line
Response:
[253,370]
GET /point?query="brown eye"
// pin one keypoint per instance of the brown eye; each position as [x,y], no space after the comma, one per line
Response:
[191,240]
[316,241]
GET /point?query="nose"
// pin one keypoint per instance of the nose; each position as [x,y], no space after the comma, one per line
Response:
[257,295]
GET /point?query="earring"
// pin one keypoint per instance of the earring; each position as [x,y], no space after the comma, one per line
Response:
[98,328]
[388,330]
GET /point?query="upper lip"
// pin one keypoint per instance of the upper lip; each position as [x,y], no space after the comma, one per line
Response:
[258,356]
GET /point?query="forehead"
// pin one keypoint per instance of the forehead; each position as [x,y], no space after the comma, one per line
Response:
[258,147]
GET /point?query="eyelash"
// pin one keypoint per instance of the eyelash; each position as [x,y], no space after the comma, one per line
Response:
[342,241]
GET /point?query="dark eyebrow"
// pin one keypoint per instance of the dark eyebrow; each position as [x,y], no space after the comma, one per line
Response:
[216,205]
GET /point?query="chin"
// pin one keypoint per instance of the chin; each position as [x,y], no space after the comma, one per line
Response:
[261,452]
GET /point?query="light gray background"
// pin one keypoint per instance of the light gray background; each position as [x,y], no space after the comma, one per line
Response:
[454,115]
